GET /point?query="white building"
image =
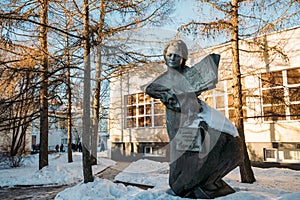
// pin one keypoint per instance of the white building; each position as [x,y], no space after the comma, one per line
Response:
[271,97]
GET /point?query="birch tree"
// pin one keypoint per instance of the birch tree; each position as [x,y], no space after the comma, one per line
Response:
[86,137]
[97,89]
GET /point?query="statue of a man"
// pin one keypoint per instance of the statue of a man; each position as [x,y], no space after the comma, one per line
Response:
[204,144]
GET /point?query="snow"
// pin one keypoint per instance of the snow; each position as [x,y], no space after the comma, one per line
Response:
[272,183]
[58,172]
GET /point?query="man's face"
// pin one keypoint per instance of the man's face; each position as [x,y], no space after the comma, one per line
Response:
[173,60]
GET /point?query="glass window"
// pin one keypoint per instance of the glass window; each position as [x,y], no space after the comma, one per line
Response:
[270,153]
[141,98]
[271,79]
[148,109]
[230,100]
[232,114]
[131,111]
[281,95]
[131,100]
[294,94]
[293,76]
[222,99]
[154,151]
[148,99]
[131,122]
[273,96]
[148,122]
[141,122]
[295,111]
[274,113]
[143,111]
[64,141]
[220,102]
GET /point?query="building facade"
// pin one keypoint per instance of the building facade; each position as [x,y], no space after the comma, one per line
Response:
[270,74]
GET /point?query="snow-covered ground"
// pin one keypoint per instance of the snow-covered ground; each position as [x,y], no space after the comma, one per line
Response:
[272,183]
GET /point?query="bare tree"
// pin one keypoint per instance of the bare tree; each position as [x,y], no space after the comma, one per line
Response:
[86,137]
[44,126]
[234,23]
[96,108]
[20,14]
[113,53]
[247,174]
[69,91]
[17,104]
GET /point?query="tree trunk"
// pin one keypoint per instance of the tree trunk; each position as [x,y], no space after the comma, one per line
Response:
[95,122]
[247,175]
[43,155]
[96,110]
[69,112]
[69,92]
[86,134]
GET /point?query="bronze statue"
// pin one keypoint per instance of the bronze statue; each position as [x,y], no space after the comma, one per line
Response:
[204,144]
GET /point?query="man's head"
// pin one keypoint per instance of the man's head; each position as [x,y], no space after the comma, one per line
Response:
[175,53]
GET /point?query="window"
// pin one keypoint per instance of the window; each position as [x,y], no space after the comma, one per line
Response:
[143,111]
[154,151]
[271,79]
[281,95]
[273,96]
[64,141]
[221,98]
[293,76]
[231,109]
[216,98]
[270,153]
[293,80]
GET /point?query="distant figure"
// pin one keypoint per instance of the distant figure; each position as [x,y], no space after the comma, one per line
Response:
[62,148]
[57,148]
[80,147]
[74,147]
[35,148]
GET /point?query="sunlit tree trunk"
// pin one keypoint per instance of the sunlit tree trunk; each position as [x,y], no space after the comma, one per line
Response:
[69,92]
[96,109]
[86,134]
[94,141]
[43,155]
[246,172]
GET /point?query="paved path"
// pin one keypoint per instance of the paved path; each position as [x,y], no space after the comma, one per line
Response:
[112,171]
[38,193]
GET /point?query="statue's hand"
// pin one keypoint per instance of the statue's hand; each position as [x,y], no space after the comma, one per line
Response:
[172,102]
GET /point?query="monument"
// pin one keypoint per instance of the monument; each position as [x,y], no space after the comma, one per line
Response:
[204,144]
